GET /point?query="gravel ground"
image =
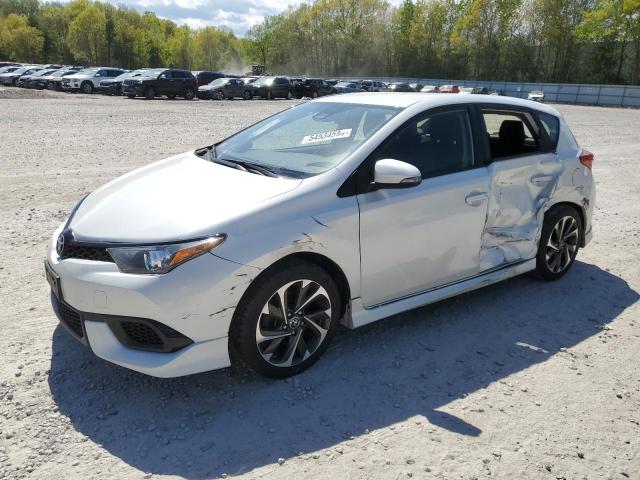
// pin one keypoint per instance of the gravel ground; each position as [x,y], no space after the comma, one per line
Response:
[519,380]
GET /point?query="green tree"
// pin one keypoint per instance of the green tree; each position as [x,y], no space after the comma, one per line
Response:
[18,40]
[86,35]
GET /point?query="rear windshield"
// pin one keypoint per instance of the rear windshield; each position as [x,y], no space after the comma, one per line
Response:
[308,139]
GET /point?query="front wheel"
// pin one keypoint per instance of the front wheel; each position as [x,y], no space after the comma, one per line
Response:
[219,95]
[247,95]
[286,320]
[87,87]
[559,242]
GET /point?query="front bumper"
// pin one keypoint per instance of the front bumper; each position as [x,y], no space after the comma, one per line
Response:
[196,300]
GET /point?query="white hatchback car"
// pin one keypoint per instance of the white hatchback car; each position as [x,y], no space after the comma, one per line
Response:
[344,209]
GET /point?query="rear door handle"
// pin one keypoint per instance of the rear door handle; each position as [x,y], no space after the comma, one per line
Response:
[542,179]
[476,198]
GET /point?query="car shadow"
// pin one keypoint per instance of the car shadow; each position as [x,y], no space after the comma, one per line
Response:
[410,365]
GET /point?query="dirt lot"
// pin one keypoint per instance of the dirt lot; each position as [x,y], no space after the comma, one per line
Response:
[519,380]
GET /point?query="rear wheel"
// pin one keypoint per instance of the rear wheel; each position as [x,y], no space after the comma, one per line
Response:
[559,242]
[286,320]
[247,95]
[87,87]
[189,94]
[131,95]
[149,93]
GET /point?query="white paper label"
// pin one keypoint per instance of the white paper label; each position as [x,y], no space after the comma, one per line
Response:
[321,137]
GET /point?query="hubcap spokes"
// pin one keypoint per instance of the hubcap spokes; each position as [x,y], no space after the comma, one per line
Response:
[562,244]
[293,323]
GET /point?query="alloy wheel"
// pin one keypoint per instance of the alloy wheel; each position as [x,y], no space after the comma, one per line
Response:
[293,323]
[562,244]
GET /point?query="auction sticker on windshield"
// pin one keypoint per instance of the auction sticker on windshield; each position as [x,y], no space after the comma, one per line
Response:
[320,137]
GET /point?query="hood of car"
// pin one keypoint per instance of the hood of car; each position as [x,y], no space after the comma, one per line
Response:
[179,198]
[79,75]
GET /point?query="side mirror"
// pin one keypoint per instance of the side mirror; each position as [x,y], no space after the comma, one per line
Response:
[389,173]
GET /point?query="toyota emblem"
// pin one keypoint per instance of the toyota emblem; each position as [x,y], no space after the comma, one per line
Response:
[60,244]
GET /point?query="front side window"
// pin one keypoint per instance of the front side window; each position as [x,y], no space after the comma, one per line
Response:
[510,133]
[436,143]
[308,139]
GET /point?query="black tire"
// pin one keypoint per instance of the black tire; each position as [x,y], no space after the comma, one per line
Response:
[149,93]
[247,95]
[171,97]
[219,95]
[242,334]
[556,253]
[131,95]
[189,94]
[87,87]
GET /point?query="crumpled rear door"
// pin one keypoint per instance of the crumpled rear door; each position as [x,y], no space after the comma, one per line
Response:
[520,188]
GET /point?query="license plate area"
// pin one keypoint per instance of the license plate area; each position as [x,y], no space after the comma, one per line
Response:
[53,279]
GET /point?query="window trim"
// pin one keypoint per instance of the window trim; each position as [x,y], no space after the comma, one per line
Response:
[362,176]
[531,121]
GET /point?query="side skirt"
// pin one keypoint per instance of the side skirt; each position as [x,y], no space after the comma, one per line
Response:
[360,315]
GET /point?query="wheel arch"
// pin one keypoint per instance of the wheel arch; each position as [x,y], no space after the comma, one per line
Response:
[322,261]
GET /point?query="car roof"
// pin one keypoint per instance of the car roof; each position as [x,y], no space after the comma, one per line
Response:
[405,100]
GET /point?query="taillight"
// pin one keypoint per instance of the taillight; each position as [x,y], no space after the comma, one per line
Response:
[586,158]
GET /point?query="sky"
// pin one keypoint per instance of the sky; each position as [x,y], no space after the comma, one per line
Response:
[237,15]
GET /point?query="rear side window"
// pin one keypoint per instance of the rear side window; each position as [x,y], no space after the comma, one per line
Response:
[551,125]
[510,133]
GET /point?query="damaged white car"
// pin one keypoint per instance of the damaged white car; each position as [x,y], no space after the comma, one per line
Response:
[344,210]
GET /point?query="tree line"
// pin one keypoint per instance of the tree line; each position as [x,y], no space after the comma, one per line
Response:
[586,41]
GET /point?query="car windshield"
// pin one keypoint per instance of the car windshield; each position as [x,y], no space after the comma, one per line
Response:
[135,73]
[346,84]
[307,139]
[8,69]
[153,73]
[41,73]
[218,82]
[264,81]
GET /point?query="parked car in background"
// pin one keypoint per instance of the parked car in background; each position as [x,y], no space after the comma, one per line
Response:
[9,68]
[399,87]
[113,86]
[204,77]
[536,96]
[345,209]
[171,82]
[226,88]
[480,91]
[373,86]
[9,64]
[465,90]
[313,88]
[332,81]
[416,87]
[248,80]
[347,87]
[273,87]
[429,89]
[54,80]
[449,89]
[29,81]
[89,79]
[11,78]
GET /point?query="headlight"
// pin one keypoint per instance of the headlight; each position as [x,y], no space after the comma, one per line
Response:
[153,259]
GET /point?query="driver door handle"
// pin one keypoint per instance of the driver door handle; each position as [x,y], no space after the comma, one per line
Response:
[476,198]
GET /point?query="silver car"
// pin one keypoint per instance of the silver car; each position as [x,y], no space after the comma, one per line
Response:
[344,210]
[89,79]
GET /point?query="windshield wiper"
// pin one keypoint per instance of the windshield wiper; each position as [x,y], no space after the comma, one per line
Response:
[244,165]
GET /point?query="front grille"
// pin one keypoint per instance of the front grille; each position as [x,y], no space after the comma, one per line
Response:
[71,318]
[130,82]
[141,333]
[82,252]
